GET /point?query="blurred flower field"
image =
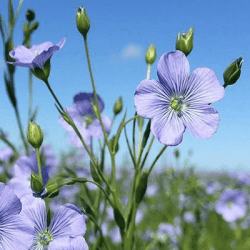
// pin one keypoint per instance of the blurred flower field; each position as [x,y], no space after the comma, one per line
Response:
[81,200]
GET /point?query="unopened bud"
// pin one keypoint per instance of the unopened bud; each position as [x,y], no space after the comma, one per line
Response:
[52,190]
[177,153]
[36,183]
[150,54]
[233,71]
[34,135]
[118,106]
[30,15]
[82,21]
[184,41]
[141,188]
[114,147]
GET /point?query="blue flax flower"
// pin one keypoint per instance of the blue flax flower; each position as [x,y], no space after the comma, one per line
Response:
[179,100]
[232,205]
[65,231]
[85,120]
[15,232]
[36,55]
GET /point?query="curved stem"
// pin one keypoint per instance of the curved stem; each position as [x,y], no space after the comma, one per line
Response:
[26,146]
[156,159]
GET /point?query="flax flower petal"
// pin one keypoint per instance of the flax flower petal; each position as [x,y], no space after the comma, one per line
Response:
[201,120]
[168,128]
[203,87]
[173,70]
[151,98]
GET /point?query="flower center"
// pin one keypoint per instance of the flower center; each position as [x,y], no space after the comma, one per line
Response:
[45,238]
[177,103]
[88,120]
[230,203]
[36,53]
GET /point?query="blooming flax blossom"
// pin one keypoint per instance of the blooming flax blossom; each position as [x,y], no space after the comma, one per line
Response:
[85,120]
[15,232]
[179,100]
[65,231]
[232,205]
[36,55]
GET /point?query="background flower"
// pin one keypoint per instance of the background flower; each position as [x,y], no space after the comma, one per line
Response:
[83,116]
[232,205]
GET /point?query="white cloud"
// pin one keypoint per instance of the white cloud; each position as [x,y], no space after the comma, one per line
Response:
[132,51]
[129,51]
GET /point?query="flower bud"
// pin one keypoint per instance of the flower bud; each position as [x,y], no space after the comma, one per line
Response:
[232,73]
[114,147]
[150,54]
[34,26]
[30,15]
[141,188]
[118,106]
[177,153]
[184,41]
[34,135]
[82,21]
[36,183]
[52,190]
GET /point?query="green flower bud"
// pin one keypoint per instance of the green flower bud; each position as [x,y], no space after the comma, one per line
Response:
[141,188]
[52,190]
[177,153]
[120,221]
[118,106]
[184,41]
[232,73]
[34,135]
[36,183]
[30,15]
[150,54]
[34,26]
[94,174]
[112,142]
[82,21]
[140,122]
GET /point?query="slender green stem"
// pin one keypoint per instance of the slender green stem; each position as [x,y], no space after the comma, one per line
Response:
[95,93]
[53,94]
[129,147]
[146,155]
[26,146]
[156,159]
[148,71]
[39,164]
[30,95]
[133,138]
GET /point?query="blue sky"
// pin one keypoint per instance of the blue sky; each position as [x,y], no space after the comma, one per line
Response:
[119,35]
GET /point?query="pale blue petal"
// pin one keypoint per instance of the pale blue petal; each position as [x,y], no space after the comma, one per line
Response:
[201,120]
[151,98]
[168,128]
[173,70]
[68,220]
[203,87]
